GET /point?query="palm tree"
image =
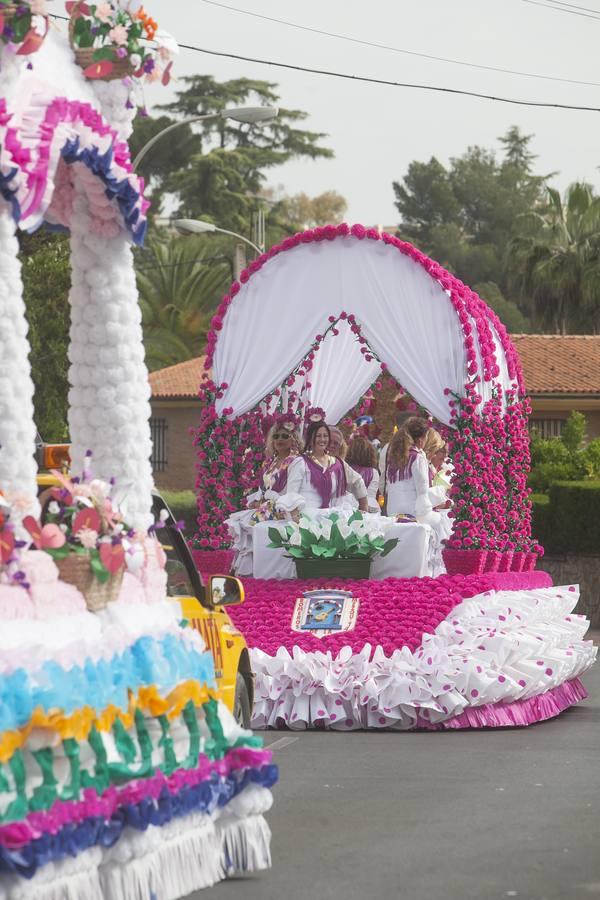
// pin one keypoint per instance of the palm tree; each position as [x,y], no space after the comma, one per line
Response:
[179,287]
[554,261]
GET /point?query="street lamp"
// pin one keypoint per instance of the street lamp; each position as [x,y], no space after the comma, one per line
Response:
[248,115]
[197,226]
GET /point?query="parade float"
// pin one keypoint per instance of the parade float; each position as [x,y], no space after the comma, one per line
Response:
[314,323]
[122,773]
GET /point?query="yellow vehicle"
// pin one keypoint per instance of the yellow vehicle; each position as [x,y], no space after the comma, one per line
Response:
[203,607]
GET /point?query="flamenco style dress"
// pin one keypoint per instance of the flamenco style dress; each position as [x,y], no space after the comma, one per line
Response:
[409,492]
[261,508]
[312,487]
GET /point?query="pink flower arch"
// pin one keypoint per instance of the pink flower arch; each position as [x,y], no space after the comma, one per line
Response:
[489,439]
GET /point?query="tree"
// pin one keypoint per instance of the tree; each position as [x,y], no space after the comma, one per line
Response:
[554,260]
[291,213]
[218,172]
[46,283]
[464,215]
[180,283]
[301,211]
[425,201]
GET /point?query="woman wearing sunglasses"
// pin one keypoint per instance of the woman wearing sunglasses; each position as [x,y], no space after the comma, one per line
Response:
[283,444]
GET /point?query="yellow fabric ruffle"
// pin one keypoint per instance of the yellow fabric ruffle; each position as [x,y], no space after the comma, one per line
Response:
[78,724]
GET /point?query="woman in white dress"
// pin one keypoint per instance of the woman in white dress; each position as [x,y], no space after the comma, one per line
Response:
[436,453]
[282,446]
[404,471]
[317,480]
[362,457]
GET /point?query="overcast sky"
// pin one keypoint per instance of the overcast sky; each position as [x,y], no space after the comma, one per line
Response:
[377,130]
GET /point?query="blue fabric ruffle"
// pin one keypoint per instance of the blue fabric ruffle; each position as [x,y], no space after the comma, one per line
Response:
[164,663]
[73,839]
[127,197]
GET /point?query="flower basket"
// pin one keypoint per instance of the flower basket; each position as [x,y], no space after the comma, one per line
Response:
[75,569]
[213,562]
[505,561]
[530,562]
[120,67]
[464,562]
[493,561]
[518,561]
[349,567]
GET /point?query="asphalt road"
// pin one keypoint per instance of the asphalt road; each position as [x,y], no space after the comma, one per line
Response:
[436,816]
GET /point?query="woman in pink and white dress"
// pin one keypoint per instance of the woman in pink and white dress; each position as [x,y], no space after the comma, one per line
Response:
[406,482]
[362,457]
[282,447]
[404,471]
[316,480]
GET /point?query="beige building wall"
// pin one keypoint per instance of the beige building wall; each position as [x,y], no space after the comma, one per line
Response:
[178,471]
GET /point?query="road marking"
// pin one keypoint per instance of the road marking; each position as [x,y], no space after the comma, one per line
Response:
[281,743]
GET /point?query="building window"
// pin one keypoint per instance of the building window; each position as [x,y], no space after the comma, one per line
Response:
[547,428]
[158,433]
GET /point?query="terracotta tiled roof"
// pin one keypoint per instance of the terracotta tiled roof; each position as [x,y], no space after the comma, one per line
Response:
[178,382]
[552,363]
[560,364]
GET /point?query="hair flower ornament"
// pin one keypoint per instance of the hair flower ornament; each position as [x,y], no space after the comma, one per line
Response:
[315,414]
[288,421]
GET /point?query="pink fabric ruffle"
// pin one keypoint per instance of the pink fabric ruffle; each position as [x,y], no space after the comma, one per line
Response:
[47,125]
[64,813]
[518,713]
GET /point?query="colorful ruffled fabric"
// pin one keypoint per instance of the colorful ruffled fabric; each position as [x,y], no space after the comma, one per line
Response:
[54,129]
[9,166]
[97,685]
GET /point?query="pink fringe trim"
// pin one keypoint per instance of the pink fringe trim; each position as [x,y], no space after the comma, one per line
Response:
[520,712]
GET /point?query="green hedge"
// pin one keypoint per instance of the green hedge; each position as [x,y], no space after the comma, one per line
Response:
[183,506]
[567,520]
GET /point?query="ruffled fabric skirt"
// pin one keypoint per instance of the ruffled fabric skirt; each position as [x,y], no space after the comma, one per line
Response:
[498,658]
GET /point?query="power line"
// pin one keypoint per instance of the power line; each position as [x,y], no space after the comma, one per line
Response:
[364,43]
[370,80]
[571,12]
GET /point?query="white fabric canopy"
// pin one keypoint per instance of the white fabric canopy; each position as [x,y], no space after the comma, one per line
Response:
[327,390]
[405,315]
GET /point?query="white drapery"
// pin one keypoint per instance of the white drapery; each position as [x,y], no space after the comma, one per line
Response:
[405,315]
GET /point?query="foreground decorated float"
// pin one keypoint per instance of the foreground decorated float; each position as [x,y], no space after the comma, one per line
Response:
[122,772]
[313,324]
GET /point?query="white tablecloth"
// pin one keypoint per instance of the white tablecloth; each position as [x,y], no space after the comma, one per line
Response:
[410,558]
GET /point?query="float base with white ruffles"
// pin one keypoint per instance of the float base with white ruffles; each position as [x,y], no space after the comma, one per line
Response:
[494,650]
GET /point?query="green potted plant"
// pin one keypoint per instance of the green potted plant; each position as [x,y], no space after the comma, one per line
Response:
[335,545]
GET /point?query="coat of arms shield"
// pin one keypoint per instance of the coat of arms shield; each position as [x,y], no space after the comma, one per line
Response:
[325,611]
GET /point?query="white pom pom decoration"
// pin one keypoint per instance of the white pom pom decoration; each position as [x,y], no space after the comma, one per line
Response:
[17,429]
[109,409]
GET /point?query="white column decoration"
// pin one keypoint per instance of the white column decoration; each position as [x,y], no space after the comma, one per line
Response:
[109,397]
[17,430]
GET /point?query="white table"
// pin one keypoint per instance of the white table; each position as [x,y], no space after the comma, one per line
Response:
[410,558]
